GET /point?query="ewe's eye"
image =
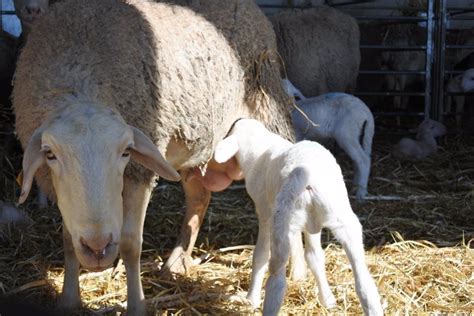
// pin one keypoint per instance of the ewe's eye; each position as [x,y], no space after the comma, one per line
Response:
[49,155]
[126,153]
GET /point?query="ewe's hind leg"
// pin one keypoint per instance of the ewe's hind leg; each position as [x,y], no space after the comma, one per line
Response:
[135,202]
[349,233]
[197,201]
[70,297]
[361,163]
[259,263]
[275,288]
[316,262]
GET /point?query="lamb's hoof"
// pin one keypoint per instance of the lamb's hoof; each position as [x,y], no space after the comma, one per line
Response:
[178,263]
[298,274]
[253,301]
[328,300]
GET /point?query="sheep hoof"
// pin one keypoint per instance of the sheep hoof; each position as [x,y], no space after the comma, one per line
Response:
[138,309]
[253,301]
[67,304]
[178,263]
[328,301]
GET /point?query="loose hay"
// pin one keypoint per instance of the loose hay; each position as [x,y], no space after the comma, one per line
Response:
[419,247]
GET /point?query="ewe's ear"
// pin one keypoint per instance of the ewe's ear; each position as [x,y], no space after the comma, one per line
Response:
[33,158]
[146,153]
[226,149]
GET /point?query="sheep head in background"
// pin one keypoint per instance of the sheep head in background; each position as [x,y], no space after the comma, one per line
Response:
[460,83]
[87,163]
[425,143]
[467,82]
[29,11]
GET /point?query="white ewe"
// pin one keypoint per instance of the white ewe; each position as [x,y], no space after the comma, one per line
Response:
[342,117]
[425,143]
[295,187]
[460,83]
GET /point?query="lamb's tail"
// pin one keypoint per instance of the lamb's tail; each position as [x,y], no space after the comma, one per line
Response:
[367,134]
[291,190]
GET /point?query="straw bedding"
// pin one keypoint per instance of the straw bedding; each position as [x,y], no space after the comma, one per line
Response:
[418,240]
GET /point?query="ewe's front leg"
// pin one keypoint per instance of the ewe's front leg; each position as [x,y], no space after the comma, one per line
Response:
[70,297]
[197,201]
[135,201]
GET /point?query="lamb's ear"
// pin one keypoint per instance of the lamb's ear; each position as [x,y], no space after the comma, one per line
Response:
[33,158]
[226,149]
[146,153]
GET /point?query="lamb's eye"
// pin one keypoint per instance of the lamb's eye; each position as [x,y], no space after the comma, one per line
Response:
[50,156]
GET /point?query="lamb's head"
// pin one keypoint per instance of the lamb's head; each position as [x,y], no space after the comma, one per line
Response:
[87,148]
[431,127]
[247,140]
[467,82]
[30,10]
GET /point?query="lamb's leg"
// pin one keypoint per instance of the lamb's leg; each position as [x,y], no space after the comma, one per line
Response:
[70,297]
[260,258]
[297,264]
[349,233]
[361,164]
[316,262]
[197,201]
[275,288]
[135,201]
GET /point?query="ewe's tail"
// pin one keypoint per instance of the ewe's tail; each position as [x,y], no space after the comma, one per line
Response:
[291,189]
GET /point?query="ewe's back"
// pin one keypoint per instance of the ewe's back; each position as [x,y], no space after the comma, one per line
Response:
[170,71]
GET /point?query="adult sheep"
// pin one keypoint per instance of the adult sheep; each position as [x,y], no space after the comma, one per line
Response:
[92,92]
[320,49]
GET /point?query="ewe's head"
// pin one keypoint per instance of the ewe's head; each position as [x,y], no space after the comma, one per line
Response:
[30,10]
[87,149]
[431,127]
[467,82]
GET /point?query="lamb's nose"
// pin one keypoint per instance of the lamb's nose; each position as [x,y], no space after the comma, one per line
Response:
[97,246]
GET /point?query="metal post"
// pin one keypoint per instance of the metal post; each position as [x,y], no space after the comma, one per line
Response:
[429,56]
[438,115]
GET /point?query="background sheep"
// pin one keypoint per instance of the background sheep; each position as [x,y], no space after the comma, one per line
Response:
[153,82]
[320,49]
[341,117]
[292,193]
[425,143]
[412,60]
[460,83]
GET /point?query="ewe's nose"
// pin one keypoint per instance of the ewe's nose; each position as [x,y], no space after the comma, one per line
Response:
[32,10]
[97,247]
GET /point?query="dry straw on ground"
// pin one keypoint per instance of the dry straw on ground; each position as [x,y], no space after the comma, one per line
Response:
[418,232]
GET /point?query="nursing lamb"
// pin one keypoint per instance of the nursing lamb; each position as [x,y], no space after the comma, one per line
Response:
[295,187]
[100,83]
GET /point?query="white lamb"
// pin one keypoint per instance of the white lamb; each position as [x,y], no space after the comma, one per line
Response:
[342,117]
[295,187]
[460,83]
[425,143]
